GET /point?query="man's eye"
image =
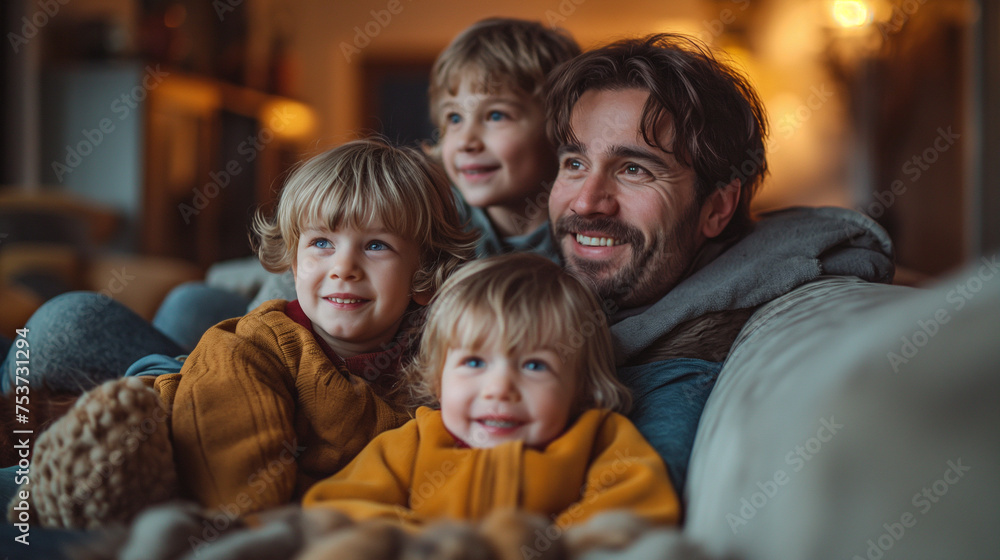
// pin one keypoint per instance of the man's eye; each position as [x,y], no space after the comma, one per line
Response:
[376,246]
[572,164]
[633,169]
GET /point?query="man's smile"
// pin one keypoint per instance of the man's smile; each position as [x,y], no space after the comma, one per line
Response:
[590,241]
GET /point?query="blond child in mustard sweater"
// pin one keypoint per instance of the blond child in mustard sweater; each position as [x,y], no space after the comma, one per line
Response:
[269,403]
[517,352]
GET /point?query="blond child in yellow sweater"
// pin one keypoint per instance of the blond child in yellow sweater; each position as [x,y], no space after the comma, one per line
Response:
[369,231]
[269,403]
[518,354]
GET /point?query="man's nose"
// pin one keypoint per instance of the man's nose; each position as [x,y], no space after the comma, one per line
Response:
[596,195]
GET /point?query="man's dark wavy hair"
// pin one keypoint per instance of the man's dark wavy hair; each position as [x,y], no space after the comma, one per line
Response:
[719,121]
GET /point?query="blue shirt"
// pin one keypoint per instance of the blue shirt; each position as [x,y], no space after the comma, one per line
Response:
[668,397]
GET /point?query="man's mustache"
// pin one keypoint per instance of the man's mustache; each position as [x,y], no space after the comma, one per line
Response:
[610,227]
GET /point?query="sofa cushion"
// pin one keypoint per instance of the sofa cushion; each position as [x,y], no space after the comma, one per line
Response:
[856,420]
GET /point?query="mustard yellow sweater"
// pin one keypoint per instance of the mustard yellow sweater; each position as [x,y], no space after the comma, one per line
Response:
[419,473]
[259,412]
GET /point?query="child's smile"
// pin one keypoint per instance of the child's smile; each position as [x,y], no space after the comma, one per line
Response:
[346,301]
[499,427]
[355,284]
[477,173]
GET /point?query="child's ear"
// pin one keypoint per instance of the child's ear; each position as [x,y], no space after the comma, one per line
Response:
[422,298]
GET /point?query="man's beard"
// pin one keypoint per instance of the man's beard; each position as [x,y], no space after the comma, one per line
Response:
[653,269]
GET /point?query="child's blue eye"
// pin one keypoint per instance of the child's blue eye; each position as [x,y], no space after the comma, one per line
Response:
[536,365]
[453,118]
[322,244]
[495,116]
[376,246]
[473,362]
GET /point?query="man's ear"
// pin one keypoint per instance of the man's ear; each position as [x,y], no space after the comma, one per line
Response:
[719,208]
[422,298]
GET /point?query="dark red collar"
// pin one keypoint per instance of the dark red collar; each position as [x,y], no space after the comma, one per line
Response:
[368,366]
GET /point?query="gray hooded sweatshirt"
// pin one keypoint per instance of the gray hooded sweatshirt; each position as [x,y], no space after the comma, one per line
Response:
[784,250]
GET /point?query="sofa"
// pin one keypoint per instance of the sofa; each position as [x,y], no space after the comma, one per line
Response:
[850,420]
[856,420]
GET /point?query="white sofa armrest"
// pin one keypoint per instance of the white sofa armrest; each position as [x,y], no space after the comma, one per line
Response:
[840,405]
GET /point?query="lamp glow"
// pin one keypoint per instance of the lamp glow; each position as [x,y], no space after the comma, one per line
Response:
[851,13]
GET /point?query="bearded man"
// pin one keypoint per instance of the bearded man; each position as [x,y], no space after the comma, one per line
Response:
[661,150]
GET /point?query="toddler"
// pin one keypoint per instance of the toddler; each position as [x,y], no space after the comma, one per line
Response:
[518,354]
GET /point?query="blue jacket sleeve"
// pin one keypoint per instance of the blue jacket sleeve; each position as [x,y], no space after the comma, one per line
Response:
[668,399]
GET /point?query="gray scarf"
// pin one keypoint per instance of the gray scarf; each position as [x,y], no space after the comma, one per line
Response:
[784,250]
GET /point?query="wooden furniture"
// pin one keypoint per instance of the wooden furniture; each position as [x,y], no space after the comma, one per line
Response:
[53,241]
[214,153]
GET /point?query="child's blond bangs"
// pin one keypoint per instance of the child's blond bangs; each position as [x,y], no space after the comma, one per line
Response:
[362,204]
[514,325]
[525,303]
[363,183]
[499,54]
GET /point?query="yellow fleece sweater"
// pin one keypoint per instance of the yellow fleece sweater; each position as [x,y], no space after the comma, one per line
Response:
[419,473]
[259,412]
